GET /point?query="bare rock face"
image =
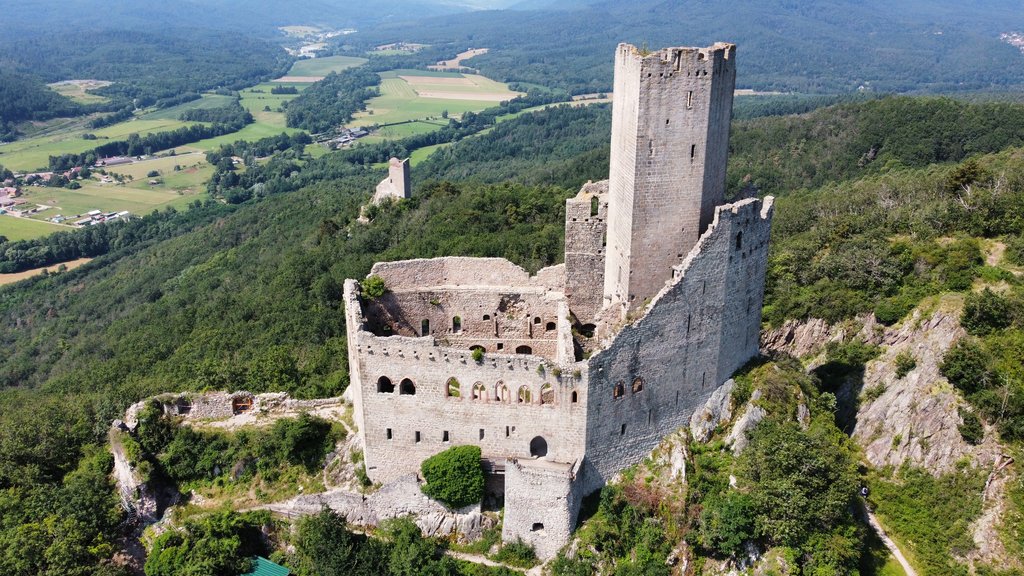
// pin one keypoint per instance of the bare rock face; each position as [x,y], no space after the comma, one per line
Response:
[716,410]
[738,437]
[916,418]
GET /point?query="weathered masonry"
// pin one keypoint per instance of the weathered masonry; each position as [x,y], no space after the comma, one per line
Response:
[565,377]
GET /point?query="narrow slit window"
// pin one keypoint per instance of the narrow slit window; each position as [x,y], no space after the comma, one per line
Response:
[693,151]
[622,431]
[390,435]
[445,437]
[425,328]
[417,436]
[689,99]
[507,434]
[481,433]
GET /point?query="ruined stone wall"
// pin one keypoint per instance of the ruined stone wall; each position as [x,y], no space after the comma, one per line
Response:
[542,500]
[670,140]
[499,404]
[658,370]
[498,320]
[585,230]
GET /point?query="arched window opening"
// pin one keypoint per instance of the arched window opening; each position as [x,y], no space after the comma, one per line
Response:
[525,396]
[547,394]
[384,385]
[425,328]
[587,330]
[453,389]
[550,326]
[538,447]
[456,324]
[479,391]
[536,319]
[620,390]
[502,393]
[476,347]
[407,388]
[739,240]
[487,317]
[524,350]
[638,385]
[575,397]
[537,527]
[595,205]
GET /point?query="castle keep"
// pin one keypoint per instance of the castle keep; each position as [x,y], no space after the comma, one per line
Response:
[587,365]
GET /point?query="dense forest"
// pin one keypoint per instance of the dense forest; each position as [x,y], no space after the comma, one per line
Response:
[822,46]
[331,102]
[24,97]
[247,295]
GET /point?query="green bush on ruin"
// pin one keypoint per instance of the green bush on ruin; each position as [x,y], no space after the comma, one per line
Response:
[454,476]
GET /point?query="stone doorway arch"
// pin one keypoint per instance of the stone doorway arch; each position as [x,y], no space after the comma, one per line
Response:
[538,447]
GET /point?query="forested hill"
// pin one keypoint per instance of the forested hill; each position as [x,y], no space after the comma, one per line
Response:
[814,46]
[249,296]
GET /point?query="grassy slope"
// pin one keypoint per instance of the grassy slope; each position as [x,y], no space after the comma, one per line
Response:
[23,228]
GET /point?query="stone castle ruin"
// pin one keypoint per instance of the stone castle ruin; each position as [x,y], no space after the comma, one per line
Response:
[397,185]
[566,377]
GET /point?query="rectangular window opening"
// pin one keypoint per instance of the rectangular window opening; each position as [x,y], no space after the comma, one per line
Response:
[693,151]
[390,436]
[481,433]
[507,433]
[444,436]
[417,437]
[622,431]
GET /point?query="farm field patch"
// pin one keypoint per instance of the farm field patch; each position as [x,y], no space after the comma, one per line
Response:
[25,229]
[76,90]
[18,276]
[34,153]
[320,67]
[207,102]
[417,95]
[258,98]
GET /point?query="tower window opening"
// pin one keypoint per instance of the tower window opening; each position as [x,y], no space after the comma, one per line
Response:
[619,391]
[739,240]
[524,349]
[550,326]
[575,397]
[487,317]
[693,151]
[507,433]
[537,527]
[425,328]
[384,385]
[594,205]
[407,388]
[417,436]
[536,319]
[638,385]
[689,100]
[445,437]
[622,431]
[456,324]
[389,434]
[481,433]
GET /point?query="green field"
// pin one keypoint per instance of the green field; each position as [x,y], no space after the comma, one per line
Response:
[192,173]
[24,229]
[401,101]
[77,91]
[34,153]
[257,98]
[108,198]
[173,113]
[324,66]
[250,133]
[421,154]
[397,131]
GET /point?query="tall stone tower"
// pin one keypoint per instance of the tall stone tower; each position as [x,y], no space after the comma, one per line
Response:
[670,142]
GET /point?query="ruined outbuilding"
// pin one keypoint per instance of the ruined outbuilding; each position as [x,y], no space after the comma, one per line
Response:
[565,377]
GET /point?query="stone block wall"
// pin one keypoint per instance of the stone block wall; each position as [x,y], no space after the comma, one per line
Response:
[397,185]
[655,372]
[542,501]
[670,141]
[414,398]
[586,222]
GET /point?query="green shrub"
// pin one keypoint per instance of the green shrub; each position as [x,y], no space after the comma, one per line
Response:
[373,287]
[986,312]
[971,429]
[966,366]
[905,362]
[727,522]
[1015,250]
[454,476]
[478,355]
[518,553]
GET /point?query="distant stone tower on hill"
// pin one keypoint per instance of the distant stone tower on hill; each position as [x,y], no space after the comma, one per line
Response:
[670,143]
[397,184]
